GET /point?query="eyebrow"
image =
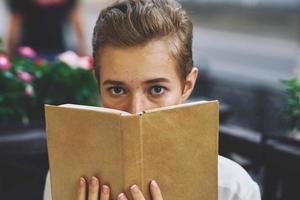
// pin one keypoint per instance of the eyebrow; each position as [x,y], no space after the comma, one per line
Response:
[156,80]
[112,82]
[151,81]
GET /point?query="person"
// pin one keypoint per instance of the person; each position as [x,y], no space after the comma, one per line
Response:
[143,59]
[39,25]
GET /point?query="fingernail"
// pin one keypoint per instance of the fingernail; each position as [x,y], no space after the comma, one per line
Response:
[122,196]
[82,181]
[134,188]
[94,181]
[105,189]
[153,183]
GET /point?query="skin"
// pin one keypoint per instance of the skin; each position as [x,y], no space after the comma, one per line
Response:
[15,21]
[76,22]
[136,79]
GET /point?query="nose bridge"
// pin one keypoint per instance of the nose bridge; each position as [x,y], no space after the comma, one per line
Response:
[137,103]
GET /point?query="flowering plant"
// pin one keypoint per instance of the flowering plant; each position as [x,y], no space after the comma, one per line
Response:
[16,95]
[27,82]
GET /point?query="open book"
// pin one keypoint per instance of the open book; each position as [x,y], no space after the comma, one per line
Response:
[177,146]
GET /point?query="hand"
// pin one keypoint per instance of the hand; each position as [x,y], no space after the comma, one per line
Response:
[94,191]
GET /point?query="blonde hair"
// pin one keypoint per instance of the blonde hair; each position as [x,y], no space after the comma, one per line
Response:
[129,23]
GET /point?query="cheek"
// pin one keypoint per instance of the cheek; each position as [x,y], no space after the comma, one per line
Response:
[172,97]
[108,102]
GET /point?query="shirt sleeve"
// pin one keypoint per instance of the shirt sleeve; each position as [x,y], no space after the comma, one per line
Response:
[47,189]
[254,193]
[234,183]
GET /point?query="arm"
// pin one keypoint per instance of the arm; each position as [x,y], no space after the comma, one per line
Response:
[15,21]
[75,20]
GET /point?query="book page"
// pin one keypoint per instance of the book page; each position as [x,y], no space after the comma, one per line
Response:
[94,108]
[176,106]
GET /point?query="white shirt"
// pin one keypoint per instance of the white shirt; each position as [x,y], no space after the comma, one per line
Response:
[234,183]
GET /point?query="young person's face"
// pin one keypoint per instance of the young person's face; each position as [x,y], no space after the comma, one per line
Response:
[139,78]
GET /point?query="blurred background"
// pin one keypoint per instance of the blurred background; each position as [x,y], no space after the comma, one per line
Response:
[248,53]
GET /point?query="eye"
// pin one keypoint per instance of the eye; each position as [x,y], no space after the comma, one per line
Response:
[116,90]
[157,90]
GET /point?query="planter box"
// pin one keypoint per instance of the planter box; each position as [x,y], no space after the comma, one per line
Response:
[23,161]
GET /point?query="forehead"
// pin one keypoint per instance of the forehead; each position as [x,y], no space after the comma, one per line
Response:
[138,63]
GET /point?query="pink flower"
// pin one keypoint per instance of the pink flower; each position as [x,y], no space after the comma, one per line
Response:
[27,52]
[4,62]
[70,58]
[86,62]
[29,90]
[74,61]
[24,76]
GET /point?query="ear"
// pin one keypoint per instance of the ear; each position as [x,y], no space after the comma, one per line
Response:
[189,84]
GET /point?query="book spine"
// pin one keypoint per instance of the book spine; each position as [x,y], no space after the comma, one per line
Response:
[132,152]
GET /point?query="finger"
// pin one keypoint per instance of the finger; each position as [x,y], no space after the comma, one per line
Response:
[105,190]
[93,189]
[155,191]
[122,196]
[81,189]
[136,193]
